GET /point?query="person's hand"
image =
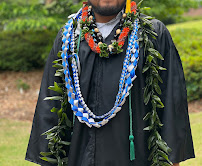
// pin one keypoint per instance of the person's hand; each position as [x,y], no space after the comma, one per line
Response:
[176,164]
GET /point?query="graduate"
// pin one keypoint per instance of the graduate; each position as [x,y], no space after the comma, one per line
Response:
[113,93]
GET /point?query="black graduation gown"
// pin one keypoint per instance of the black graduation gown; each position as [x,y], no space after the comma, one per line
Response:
[99,79]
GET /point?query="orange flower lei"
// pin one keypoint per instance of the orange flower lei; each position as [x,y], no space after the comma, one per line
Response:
[121,39]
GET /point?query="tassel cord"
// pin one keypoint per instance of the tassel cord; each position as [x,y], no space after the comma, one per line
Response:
[131,137]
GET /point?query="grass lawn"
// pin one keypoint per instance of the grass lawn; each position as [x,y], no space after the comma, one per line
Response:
[196,24]
[15,134]
[196,126]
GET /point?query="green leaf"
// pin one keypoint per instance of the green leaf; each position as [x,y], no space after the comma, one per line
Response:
[59,54]
[57,66]
[64,152]
[159,106]
[147,116]
[149,17]
[53,98]
[156,98]
[65,160]
[57,61]
[50,130]
[163,146]
[145,68]
[149,80]
[148,128]
[50,136]
[151,141]
[157,88]
[153,105]
[56,88]
[62,118]
[160,125]
[155,53]
[154,70]
[146,89]
[154,150]
[161,68]
[45,154]
[64,142]
[59,74]
[155,61]
[164,155]
[158,77]
[146,100]
[157,135]
[145,8]
[152,32]
[59,113]
[139,4]
[54,110]
[67,121]
[50,160]
[153,117]
[150,58]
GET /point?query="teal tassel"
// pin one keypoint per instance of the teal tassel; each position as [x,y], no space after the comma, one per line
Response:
[132,148]
[131,137]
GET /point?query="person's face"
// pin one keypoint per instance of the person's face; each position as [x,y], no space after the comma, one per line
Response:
[107,7]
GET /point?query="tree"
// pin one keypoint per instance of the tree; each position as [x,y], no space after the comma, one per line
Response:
[168,11]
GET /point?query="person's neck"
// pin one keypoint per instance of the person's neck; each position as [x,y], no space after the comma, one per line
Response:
[103,19]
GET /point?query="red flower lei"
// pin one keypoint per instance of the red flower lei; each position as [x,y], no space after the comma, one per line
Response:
[123,35]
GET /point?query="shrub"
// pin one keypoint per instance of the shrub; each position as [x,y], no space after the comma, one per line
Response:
[188,40]
[169,11]
[25,50]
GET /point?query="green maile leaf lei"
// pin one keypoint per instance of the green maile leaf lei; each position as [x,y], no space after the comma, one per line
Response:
[159,149]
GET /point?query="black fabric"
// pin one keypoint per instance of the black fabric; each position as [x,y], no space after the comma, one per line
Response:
[109,145]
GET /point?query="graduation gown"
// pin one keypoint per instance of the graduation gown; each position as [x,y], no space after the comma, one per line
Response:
[99,80]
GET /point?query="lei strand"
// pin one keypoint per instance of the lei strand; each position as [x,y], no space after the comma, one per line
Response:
[101,48]
[75,97]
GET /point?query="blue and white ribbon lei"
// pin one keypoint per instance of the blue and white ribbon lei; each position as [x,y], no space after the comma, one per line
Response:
[75,98]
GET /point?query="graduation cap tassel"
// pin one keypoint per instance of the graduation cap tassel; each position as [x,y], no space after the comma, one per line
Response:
[132,148]
[128,6]
[131,137]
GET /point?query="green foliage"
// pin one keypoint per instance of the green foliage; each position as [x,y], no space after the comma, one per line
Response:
[12,11]
[35,24]
[168,11]
[22,2]
[35,16]
[62,8]
[19,17]
[25,50]
[57,136]
[159,150]
[190,50]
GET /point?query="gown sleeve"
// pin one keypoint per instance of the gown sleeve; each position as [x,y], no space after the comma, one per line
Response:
[176,130]
[43,118]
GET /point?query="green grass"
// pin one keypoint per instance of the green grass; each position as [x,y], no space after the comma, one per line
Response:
[15,134]
[188,40]
[196,24]
[196,126]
